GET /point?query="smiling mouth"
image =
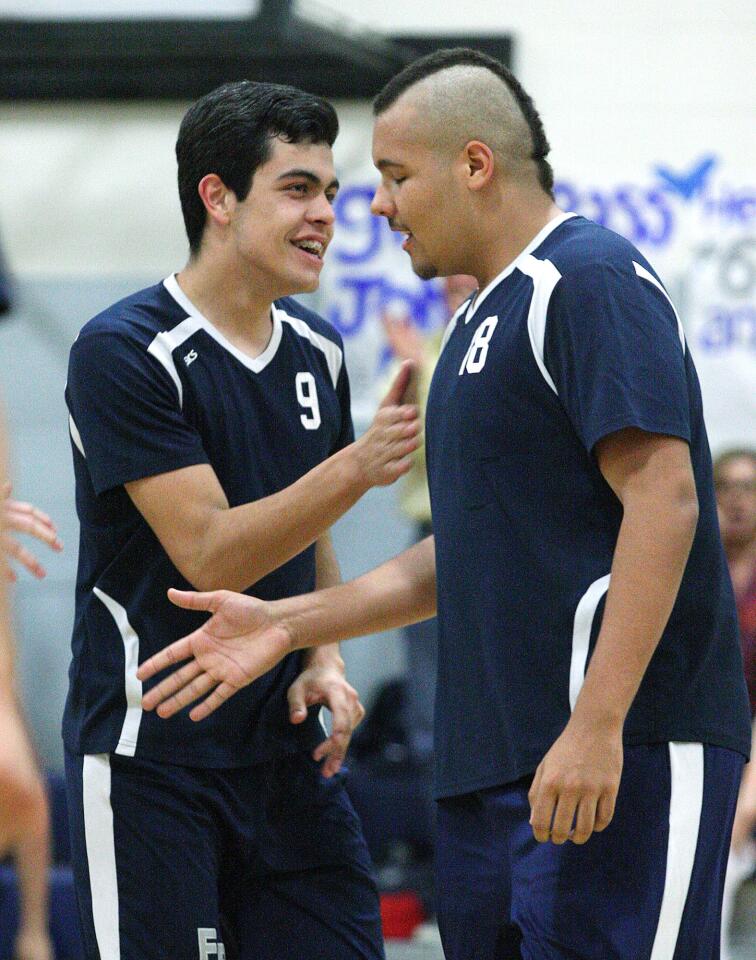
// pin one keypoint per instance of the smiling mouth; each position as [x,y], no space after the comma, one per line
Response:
[315,248]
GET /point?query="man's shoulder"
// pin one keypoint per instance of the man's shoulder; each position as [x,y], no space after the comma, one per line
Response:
[302,319]
[580,245]
[137,318]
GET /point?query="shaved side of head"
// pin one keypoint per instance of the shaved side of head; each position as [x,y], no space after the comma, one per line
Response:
[461,94]
[464,103]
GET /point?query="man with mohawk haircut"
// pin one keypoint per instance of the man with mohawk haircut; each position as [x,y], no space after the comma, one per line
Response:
[591,712]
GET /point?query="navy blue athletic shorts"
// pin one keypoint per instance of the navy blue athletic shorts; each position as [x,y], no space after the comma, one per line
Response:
[266,862]
[649,887]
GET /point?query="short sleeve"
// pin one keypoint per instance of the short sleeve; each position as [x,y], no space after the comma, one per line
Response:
[614,351]
[346,433]
[126,412]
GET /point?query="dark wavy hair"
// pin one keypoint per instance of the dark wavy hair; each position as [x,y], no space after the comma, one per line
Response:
[229,132]
[466,56]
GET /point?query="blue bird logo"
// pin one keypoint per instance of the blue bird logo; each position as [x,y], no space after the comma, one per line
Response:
[689,184]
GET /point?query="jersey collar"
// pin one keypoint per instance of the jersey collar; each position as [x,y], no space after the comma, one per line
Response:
[535,242]
[255,364]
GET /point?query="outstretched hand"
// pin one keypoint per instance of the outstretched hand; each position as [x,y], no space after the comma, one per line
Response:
[238,644]
[25,518]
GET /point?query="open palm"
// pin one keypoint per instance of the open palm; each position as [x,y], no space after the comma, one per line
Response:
[239,643]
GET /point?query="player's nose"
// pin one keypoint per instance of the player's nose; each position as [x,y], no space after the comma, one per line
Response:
[382,205]
[321,210]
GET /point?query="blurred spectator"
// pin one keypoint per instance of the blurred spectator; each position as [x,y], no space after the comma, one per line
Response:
[24,813]
[735,485]
[409,343]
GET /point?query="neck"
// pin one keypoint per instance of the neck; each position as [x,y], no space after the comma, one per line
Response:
[507,230]
[239,309]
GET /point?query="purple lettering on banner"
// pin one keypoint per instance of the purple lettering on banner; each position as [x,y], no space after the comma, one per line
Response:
[728,327]
[348,322]
[354,219]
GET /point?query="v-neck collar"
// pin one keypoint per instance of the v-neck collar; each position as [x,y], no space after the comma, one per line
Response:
[255,364]
[534,243]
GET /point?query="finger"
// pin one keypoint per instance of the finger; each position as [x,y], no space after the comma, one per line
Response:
[210,704]
[564,817]
[542,812]
[5,489]
[192,691]
[169,656]
[585,819]
[34,523]
[25,557]
[605,811]
[297,703]
[170,685]
[192,600]
[28,509]
[30,562]
[332,751]
[401,387]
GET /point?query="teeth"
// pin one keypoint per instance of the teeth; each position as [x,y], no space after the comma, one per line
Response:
[311,246]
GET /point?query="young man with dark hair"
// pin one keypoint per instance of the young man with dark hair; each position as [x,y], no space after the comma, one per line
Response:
[591,713]
[213,444]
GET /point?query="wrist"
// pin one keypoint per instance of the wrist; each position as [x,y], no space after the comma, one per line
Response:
[352,467]
[326,656]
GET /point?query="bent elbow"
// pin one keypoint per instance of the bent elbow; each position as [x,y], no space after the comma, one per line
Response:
[688,507]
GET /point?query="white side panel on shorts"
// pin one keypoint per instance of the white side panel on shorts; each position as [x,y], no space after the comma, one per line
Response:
[76,436]
[581,634]
[545,277]
[100,843]
[132,686]
[686,762]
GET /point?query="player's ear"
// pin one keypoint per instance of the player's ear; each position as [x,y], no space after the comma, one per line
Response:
[478,164]
[217,198]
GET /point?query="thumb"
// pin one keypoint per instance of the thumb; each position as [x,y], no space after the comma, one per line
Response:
[297,704]
[403,389]
[190,600]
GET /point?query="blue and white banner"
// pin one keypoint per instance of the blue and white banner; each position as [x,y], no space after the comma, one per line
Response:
[692,218]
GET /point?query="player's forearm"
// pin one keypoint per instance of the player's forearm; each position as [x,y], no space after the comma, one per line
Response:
[327,574]
[243,544]
[399,592]
[652,549]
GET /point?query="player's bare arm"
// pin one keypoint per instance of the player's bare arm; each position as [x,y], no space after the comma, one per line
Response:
[578,779]
[246,637]
[214,545]
[323,679]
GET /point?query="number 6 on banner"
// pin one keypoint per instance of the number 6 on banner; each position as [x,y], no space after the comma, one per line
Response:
[307,394]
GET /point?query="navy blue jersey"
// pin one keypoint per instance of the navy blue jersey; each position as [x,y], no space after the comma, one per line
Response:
[573,341]
[154,387]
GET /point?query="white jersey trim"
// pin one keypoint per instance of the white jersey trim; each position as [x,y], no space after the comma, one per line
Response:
[333,352]
[581,634]
[545,277]
[165,343]
[127,742]
[686,762]
[534,243]
[100,846]
[76,436]
[452,324]
[645,275]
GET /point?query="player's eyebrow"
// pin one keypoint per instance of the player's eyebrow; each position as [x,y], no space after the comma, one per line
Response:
[384,164]
[308,175]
